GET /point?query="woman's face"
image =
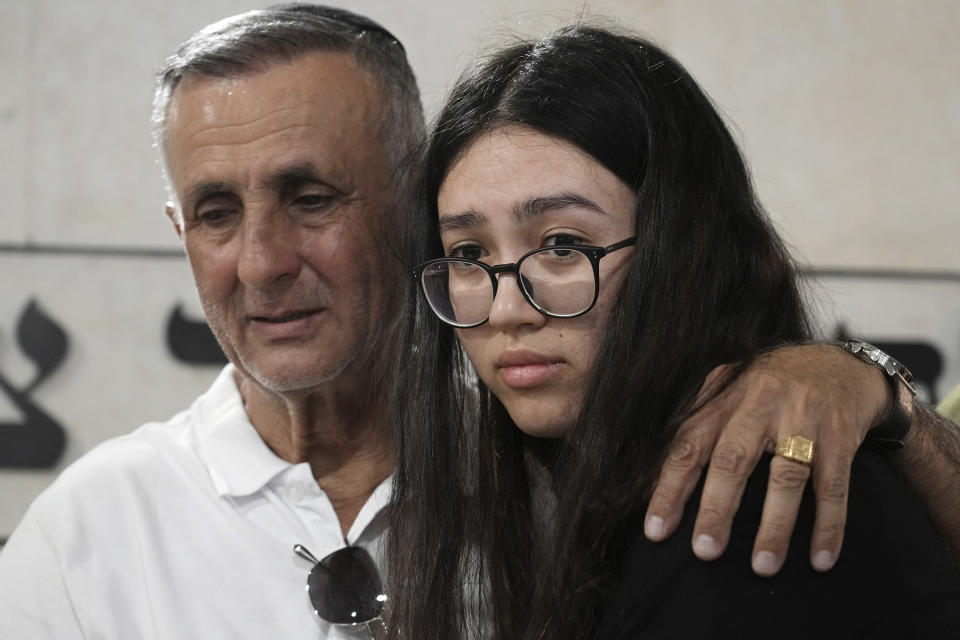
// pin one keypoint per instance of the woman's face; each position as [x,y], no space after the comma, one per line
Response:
[513,190]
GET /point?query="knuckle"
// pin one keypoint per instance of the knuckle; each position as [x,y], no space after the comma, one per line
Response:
[664,494]
[776,529]
[730,460]
[711,515]
[683,456]
[789,478]
[660,503]
[834,490]
[831,531]
[766,374]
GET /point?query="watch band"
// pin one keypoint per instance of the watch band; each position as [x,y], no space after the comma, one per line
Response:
[890,433]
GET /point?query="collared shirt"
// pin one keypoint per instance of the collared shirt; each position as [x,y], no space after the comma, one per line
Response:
[183,529]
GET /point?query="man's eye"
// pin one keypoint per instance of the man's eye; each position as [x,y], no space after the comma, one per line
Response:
[216,217]
[467,251]
[313,201]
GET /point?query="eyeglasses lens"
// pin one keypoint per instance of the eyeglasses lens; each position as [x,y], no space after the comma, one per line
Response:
[561,282]
[345,588]
[459,292]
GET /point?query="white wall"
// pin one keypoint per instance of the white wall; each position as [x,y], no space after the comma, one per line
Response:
[849,113]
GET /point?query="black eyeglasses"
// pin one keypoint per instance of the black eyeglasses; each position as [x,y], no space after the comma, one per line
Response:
[344,588]
[561,281]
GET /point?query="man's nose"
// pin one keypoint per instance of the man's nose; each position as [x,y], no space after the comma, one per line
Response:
[510,308]
[269,249]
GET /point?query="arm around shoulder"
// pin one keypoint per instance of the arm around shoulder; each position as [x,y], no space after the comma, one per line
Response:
[930,464]
[923,445]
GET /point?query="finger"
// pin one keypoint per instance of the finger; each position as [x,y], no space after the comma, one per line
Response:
[831,484]
[781,504]
[679,475]
[686,458]
[712,383]
[731,463]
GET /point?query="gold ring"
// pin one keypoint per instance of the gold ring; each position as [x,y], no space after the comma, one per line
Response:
[796,448]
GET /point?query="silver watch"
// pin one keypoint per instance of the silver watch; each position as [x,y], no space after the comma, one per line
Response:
[894,428]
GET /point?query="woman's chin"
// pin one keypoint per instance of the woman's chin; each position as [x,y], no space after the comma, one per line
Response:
[544,427]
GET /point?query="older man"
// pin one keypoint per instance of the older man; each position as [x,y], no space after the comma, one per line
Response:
[281,132]
[284,133]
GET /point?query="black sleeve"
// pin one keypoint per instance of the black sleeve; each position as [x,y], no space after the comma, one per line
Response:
[893,578]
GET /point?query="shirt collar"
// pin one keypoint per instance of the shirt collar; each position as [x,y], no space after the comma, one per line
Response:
[239,461]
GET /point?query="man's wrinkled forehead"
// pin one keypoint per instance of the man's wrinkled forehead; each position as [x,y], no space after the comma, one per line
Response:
[220,90]
[324,97]
[333,68]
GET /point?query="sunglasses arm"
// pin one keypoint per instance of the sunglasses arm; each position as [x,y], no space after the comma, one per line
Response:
[304,553]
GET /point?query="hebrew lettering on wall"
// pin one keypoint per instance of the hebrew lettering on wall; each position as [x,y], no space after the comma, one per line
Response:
[191,341]
[36,441]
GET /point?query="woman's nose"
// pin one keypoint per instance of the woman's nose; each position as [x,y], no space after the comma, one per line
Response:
[510,308]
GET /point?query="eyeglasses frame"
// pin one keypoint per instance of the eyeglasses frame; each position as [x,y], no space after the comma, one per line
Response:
[593,254]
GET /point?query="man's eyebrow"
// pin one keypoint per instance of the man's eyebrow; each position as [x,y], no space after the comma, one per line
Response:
[200,192]
[289,179]
[538,206]
[284,182]
[464,220]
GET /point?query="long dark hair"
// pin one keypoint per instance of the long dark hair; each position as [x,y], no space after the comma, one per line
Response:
[709,283]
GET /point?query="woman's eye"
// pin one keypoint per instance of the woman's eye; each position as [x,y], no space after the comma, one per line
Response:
[563,238]
[467,252]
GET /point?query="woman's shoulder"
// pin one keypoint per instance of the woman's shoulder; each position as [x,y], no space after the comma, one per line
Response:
[893,577]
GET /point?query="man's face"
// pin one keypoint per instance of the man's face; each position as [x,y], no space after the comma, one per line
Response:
[283,181]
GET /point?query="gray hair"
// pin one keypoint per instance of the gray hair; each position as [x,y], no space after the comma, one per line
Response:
[253,41]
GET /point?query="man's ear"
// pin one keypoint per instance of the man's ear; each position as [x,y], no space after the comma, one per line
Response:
[177,221]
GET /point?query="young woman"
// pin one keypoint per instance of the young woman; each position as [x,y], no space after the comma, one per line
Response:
[590,241]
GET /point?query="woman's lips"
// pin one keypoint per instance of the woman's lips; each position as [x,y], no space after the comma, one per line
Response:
[526,369]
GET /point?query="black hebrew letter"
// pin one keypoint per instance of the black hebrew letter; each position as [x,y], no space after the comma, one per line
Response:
[37,442]
[192,341]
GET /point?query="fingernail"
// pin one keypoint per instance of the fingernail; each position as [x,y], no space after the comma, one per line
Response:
[765,563]
[822,561]
[653,527]
[705,547]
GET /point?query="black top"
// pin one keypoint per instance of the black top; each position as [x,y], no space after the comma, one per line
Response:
[893,578]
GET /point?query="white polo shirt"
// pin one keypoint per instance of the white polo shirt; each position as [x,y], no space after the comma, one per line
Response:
[179,530]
